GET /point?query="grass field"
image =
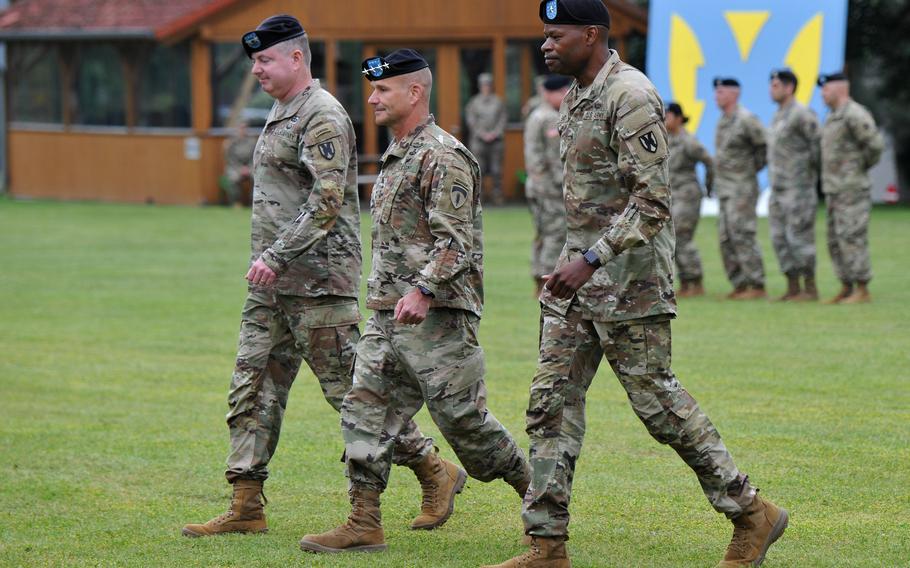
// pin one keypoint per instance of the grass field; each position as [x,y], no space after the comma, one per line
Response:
[119,325]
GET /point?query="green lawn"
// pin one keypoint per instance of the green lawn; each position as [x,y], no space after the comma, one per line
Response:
[119,325]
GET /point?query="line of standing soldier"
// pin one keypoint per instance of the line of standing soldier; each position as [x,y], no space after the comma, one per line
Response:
[795,149]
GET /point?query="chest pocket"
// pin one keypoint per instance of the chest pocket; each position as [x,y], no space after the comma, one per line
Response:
[401,206]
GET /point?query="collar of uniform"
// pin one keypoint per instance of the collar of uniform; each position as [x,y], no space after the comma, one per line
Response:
[282,111]
[593,89]
[400,147]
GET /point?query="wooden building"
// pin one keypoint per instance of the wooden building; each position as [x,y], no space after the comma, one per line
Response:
[129,100]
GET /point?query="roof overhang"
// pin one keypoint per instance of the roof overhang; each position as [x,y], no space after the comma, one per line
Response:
[76,34]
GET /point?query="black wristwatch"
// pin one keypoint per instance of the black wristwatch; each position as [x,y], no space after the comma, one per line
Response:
[591,258]
[426,291]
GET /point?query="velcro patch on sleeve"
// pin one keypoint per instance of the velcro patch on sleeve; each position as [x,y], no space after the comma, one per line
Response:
[642,133]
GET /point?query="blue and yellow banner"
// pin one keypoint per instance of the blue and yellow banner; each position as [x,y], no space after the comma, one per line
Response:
[692,41]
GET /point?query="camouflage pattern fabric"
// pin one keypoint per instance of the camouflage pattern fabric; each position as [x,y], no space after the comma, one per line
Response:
[571,348]
[427,231]
[741,149]
[617,195]
[486,114]
[543,188]
[851,145]
[793,151]
[278,333]
[238,156]
[685,153]
[399,368]
[306,213]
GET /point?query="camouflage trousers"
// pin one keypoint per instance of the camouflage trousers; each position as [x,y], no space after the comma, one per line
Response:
[686,211]
[571,348]
[738,225]
[399,368]
[548,213]
[791,218]
[848,235]
[278,333]
[490,155]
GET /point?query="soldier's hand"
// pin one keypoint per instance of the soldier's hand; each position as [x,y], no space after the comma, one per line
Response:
[567,280]
[261,274]
[412,309]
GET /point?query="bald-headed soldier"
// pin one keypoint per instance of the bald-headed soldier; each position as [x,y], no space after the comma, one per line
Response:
[611,296]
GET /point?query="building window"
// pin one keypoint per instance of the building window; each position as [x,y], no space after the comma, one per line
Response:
[524,62]
[34,84]
[164,88]
[99,87]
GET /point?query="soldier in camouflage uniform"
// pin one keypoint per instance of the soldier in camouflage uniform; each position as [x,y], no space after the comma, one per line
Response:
[535,100]
[238,155]
[544,186]
[793,160]
[741,151]
[685,153]
[305,273]
[485,115]
[851,145]
[612,295]
[426,290]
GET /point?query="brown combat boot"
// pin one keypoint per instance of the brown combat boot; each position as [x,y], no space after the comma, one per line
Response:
[846,290]
[246,514]
[683,291]
[860,295]
[440,481]
[754,530]
[753,293]
[362,532]
[810,292]
[793,290]
[544,553]
[696,289]
[737,292]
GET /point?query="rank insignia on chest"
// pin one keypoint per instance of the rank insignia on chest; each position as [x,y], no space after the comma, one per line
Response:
[648,142]
[327,150]
[458,195]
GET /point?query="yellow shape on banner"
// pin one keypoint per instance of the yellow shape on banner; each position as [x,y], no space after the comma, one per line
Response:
[746,26]
[685,59]
[805,56]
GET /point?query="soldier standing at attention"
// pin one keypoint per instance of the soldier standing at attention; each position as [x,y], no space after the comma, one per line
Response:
[485,114]
[238,155]
[544,186]
[793,160]
[851,145]
[611,296]
[304,279]
[426,289]
[741,152]
[685,153]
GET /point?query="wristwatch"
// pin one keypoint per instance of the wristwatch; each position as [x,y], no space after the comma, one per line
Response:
[426,291]
[591,258]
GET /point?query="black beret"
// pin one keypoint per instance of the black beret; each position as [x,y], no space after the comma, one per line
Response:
[725,82]
[822,79]
[785,75]
[575,12]
[556,82]
[270,32]
[399,62]
[677,110]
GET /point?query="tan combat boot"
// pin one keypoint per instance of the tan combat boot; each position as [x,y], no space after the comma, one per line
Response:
[846,290]
[737,292]
[544,553]
[860,295]
[362,532]
[753,293]
[754,530]
[810,291]
[440,481]
[246,514]
[793,290]
[696,288]
[683,291]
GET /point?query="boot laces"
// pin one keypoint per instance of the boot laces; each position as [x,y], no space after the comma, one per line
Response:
[740,544]
[429,486]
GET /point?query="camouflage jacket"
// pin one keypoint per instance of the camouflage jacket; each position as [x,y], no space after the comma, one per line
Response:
[793,148]
[851,144]
[238,154]
[306,214]
[617,195]
[685,153]
[542,160]
[427,224]
[485,114]
[741,151]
